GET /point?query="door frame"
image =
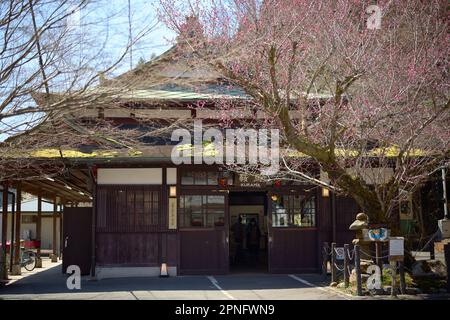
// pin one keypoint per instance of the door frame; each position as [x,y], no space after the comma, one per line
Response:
[69,229]
[264,204]
[189,190]
[270,228]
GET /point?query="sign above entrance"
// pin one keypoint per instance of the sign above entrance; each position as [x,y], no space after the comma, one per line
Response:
[250,181]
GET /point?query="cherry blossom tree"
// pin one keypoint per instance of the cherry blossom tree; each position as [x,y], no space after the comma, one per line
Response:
[365,98]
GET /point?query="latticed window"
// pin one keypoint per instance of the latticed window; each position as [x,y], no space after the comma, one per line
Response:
[205,178]
[293,211]
[202,211]
[127,209]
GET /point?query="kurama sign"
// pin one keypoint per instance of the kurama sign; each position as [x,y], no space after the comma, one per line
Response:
[172,213]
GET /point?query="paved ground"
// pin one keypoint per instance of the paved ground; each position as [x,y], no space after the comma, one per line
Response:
[50,283]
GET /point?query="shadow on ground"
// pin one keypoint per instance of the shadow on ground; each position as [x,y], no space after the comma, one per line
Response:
[53,281]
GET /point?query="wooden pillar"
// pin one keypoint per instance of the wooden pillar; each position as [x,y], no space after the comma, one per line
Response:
[325,250]
[401,270]
[39,231]
[3,267]
[94,215]
[61,210]
[346,265]
[358,270]
[13,215]
[333,216]
[432,253]
[378,254]
[16,268]
[333,263]
[54,255]
[447,262]
[394,278]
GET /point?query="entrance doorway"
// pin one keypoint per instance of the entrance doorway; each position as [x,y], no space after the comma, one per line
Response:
[248,231]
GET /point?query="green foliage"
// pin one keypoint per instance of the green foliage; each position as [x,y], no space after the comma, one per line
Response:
[386,278]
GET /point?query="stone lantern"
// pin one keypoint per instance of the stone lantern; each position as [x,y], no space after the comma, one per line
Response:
[360,225]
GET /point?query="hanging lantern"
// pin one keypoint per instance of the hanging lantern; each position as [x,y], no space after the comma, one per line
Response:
[277,183]
[223,182]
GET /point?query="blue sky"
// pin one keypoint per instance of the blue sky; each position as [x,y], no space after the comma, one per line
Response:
[113,17]
[105,25]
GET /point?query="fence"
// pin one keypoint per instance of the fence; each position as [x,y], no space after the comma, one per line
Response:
[343,260]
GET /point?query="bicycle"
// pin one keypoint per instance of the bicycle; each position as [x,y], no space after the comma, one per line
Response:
[27,259]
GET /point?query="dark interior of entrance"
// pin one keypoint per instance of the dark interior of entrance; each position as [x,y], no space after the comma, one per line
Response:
[248,231]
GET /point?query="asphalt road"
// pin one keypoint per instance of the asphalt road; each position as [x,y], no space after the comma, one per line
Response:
[50,283]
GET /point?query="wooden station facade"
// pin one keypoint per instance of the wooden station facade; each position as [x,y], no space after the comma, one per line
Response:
[127,216]
[184,215]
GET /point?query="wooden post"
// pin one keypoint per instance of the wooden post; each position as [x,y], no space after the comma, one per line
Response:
[358,270]
[394,278]
[94,218]
[447,262]
[378,254]
[333,263]
[401,270]
[325,259]
[61,210]
[13,215]
[333,214]
[39,231]
[346,265]
[55,250]
[3,266]
[16,269]
[432,253]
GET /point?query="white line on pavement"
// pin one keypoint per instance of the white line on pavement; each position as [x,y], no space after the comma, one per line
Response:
[216,284]
[316,287]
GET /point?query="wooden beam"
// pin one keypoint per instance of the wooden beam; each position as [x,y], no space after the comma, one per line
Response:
[49,192]
[16,268]
[50,189]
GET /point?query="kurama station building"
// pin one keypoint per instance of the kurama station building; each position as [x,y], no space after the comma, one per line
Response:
[129,214]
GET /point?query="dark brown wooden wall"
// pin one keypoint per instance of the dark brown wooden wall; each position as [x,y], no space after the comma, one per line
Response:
[295,251]
[203,251]
[346,211]
[131,227]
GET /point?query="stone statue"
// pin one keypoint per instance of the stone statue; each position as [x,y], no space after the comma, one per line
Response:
[361,222]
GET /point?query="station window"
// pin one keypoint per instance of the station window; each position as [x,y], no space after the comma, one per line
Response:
[202,211]
[127,209]
[293,211]
[205,178]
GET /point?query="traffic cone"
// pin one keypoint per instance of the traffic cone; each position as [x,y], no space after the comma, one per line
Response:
[163,272]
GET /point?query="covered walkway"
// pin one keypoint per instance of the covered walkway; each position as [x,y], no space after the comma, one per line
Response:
[70,187]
